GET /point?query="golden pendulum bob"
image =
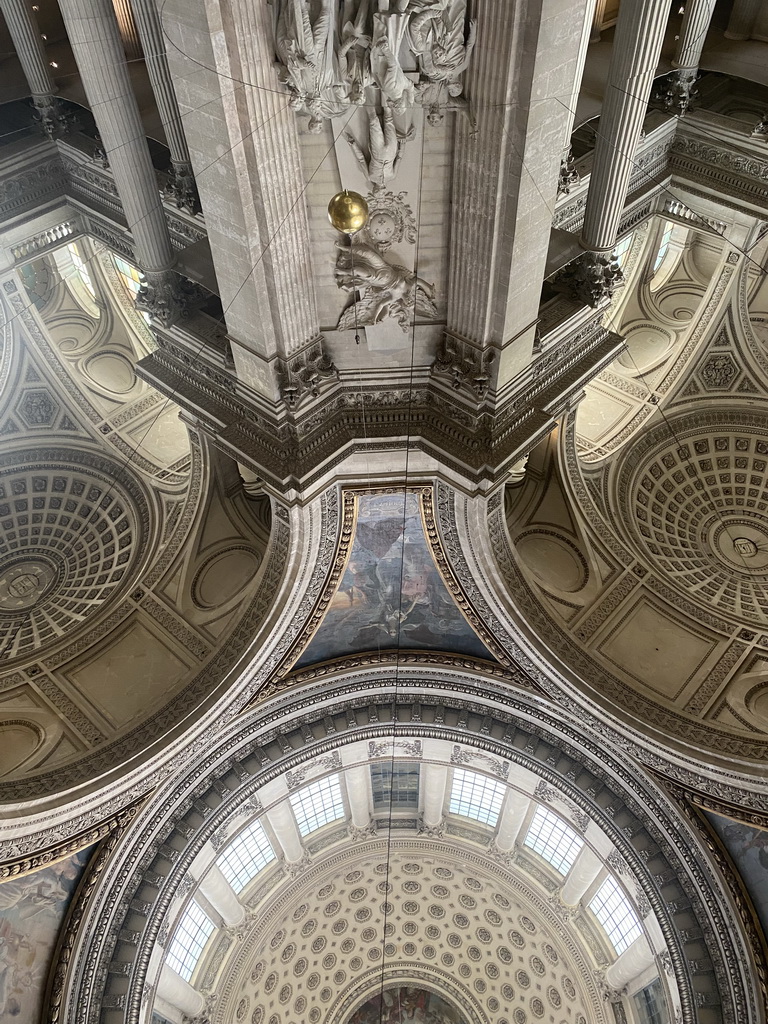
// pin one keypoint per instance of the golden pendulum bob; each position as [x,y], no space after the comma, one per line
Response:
[348,212]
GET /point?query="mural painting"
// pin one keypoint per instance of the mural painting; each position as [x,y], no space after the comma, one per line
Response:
[391,594]
[748,849]
[406,1005]
[32,910]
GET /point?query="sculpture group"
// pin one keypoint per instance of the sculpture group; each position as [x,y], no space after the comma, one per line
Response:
[336,54]
[387,56]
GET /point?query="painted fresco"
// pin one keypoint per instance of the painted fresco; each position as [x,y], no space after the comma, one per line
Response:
[406,1005]
[391,594]
[32,910]
[748,848]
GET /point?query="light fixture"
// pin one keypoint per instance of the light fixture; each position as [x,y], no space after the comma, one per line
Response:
[348,212]
[54,64]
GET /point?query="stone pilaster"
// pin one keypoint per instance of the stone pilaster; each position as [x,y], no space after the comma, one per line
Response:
[743,17]
[95,38]
[31,53]
[635,55]
[183,187]
[506,172]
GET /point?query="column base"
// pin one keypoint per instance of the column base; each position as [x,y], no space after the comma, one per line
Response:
[182,188]
[167,296]
[592,279]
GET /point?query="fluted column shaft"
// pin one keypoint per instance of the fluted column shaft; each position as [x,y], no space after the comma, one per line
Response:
[512,817]
[358,786]
[279,177]
[29,49]
[636,49]
[433,784]
[698,14]
[127,27]
[632,962]
[95,37]
[742,19]
[150,32]
[286,831]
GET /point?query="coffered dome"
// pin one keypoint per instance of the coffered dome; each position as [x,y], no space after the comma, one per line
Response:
[695,496]
[74,525]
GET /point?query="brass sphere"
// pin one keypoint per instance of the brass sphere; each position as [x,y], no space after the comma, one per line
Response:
[348,212]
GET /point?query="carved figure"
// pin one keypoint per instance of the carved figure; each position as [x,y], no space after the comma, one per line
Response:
[385,146]
[396,90]
[307,61]
[355,50]
[436,36]
[385,289]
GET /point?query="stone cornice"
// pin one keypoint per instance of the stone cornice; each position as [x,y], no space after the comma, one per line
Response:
[294,450]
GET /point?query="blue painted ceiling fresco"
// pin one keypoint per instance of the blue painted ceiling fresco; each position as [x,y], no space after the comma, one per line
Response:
[32,911]
[748,849]
[391,594]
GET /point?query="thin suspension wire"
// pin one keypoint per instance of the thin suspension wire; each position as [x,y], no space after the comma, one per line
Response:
[402,577]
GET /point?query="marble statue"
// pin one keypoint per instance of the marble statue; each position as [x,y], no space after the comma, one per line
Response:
[436,36]
[352,54]
[385,147]
[308,64]
[384,289]
[397,90]
[354,51]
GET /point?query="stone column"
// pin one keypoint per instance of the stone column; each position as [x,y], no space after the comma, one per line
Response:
[632,962]
[127,29]
[358,787]
[150,30]
[31,53]
[286,831]
[636,49]
[743,18]
[434,778]
[582,874]
[95,37]
[222,897]
[511,821]
[593,277]
[179,993]
[698,14]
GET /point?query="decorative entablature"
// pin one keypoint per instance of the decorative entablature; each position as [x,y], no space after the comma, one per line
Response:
[448,415]
[42,172]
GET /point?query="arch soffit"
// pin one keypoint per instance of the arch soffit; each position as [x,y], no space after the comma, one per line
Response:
[141,872]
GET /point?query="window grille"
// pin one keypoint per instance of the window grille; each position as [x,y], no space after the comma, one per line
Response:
[246,855]
[614,912]
[475,796]
[189,939]
[553,839]
[317,804]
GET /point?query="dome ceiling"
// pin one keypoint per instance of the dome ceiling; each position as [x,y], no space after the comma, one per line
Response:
[117,533]
[435,913]
[641,559]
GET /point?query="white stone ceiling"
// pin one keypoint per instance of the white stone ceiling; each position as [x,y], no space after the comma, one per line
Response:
[453,920]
